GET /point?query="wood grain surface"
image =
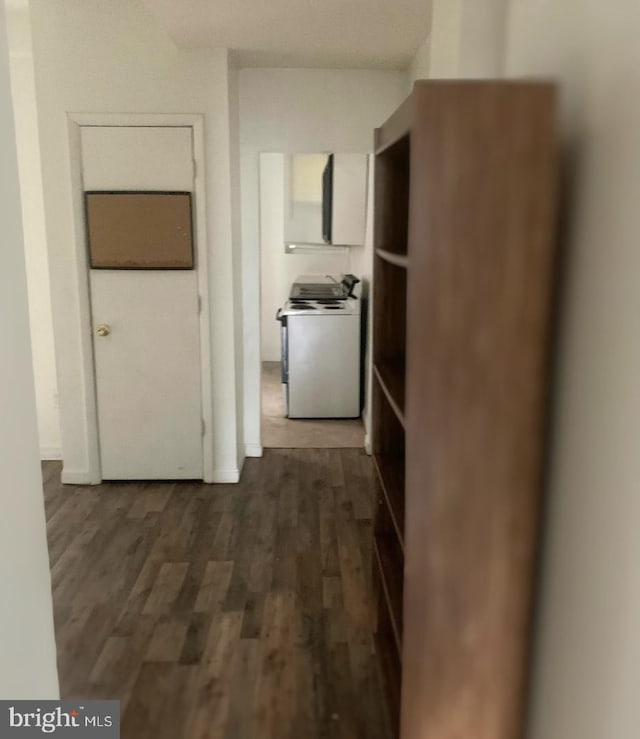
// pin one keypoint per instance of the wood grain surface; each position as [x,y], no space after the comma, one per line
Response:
[481,257]
[222,611]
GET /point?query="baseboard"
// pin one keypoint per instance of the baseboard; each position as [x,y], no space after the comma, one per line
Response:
[253,450]
[78,477]
[49,453]
[83,477]
[367,443]
[226,475]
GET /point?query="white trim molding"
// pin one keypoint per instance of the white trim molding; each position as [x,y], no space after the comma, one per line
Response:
[232,475]
[253,450]
[76,121]
[50,453]
[79,477]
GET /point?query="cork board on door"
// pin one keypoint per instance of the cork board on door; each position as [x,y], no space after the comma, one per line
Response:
[139,230]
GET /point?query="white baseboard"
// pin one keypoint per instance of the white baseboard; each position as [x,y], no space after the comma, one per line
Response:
[367,444]
[226,476]
[253,450]
[48,453]
[82,477]
[78,477]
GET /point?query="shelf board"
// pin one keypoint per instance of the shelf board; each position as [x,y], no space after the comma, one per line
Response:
[390,671]
[392,484]
[397,126]
[381,560]
[399,260]
[391,379]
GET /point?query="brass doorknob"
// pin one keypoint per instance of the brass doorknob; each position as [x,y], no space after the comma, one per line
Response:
[103,330]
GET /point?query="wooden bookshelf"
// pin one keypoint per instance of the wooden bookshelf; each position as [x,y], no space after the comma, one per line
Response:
[399,260]
[390,378]
[387,651]
[463,261]
[391,263]
[389,483]
[390,560]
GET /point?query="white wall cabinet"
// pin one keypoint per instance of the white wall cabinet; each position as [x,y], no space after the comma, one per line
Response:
[349,199]
[303,199]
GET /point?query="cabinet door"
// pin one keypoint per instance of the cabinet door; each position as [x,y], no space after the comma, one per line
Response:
[349,198]
[303,198]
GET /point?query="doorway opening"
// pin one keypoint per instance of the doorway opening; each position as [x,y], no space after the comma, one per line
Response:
[311,351]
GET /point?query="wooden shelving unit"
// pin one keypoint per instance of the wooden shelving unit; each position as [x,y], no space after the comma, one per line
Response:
[400,260]
[463,261]
[391,262]
[390,378]
[390,486]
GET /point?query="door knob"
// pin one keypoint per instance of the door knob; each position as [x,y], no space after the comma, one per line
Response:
[103,330]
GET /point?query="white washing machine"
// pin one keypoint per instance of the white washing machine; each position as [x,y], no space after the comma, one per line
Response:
[321,359]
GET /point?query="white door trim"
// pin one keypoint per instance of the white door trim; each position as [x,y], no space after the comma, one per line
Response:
[93,476]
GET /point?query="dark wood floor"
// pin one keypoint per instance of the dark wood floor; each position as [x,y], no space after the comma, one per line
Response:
[226,611]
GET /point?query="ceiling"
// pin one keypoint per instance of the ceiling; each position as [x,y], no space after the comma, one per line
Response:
[377,34]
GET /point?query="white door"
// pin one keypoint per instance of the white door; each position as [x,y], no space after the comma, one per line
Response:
[147,366]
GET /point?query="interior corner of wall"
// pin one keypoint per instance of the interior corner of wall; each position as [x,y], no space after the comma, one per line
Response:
[445,41]
[241,456]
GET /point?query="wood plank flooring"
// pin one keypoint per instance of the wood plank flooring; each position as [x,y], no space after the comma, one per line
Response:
[225,611]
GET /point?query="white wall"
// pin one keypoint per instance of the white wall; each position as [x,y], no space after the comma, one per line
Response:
[420,67]
[271,236]
[298,110]
[466,39]
[27,646]
[482,39]
[446,37]
[37,259]
[588,647]
[367,256]
[92,56]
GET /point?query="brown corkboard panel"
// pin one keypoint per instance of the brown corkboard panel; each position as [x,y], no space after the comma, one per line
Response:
[139,230]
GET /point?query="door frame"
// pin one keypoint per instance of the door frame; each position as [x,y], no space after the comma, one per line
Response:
[75,121]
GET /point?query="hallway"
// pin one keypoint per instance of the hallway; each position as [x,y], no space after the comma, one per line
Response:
[226,611]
